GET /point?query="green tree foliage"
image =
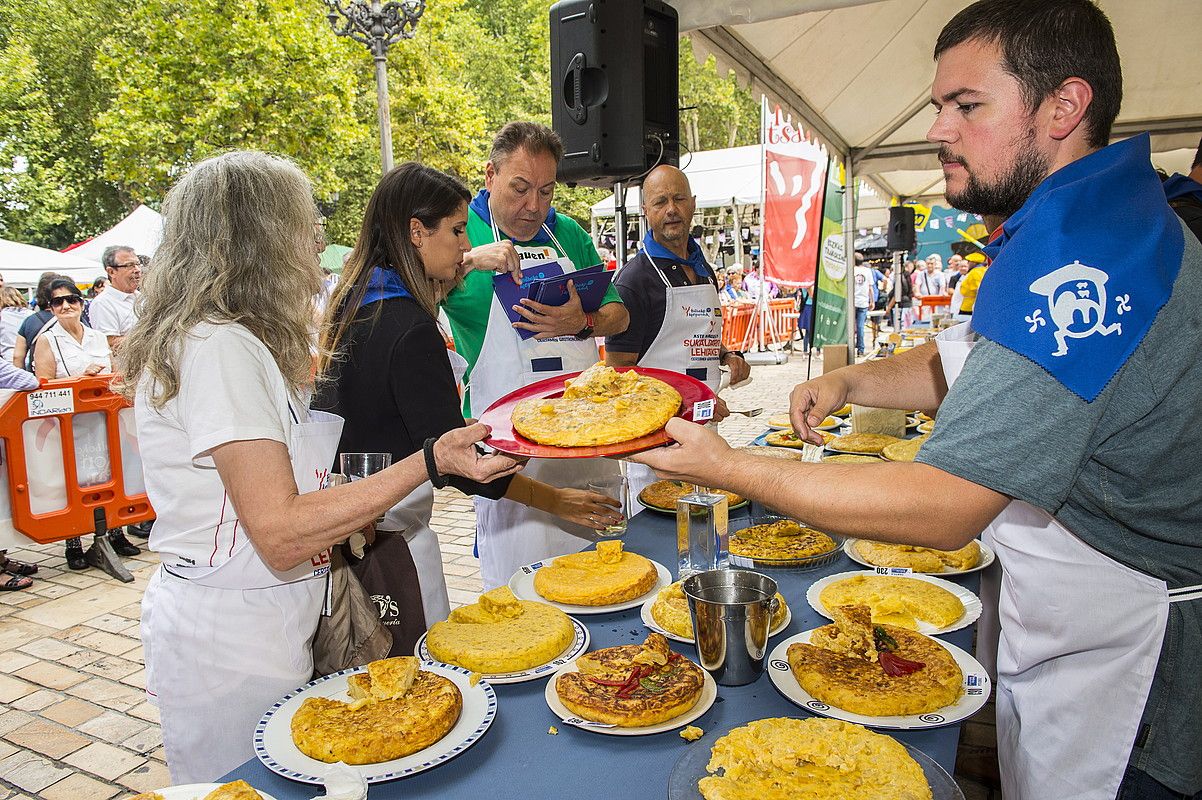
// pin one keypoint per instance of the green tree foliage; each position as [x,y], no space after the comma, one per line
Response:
[105,103]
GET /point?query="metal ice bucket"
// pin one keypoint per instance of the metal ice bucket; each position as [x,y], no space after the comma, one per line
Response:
[732,612]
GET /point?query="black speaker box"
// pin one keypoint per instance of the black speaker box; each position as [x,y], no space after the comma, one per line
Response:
[901,229]
[615,88]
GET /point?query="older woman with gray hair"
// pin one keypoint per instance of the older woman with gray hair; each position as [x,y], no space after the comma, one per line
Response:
[219,367]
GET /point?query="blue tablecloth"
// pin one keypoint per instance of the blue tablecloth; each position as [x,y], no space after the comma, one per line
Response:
[518,758]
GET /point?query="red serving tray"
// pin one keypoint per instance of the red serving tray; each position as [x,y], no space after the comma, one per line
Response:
[504,438]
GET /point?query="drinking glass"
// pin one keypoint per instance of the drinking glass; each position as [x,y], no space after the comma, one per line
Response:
[618,488]
[356,466]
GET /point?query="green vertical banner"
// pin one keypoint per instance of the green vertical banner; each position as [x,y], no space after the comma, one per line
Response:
[830,298]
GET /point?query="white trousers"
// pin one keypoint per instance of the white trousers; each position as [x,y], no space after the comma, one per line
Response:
[216,660]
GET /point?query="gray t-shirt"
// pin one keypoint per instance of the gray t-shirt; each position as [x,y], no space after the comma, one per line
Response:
[1123,473]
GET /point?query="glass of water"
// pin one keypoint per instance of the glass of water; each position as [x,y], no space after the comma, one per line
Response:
[356,466]
[618,488]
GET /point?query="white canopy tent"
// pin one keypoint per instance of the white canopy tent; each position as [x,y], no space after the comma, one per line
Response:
[858,73]
[22,264]
[142,230]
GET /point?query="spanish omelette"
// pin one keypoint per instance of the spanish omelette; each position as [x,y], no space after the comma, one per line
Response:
[811,759]
[500,633]
[599,406]
[664,494]
[875,670]
[906,450]
[370,730]
[600,577]
[633,685]
[780,540]
[895,601]
[870,443]
[773,452]
[671,611]
[235,790]
[847,458]
[919,559]
[789,438]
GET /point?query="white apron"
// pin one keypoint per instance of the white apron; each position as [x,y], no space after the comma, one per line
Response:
[689,342]
[509,534]
[217,655]
[1080,640]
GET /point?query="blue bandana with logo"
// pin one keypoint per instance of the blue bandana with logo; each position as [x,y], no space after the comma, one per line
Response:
[384,284]
[1080,272]
[1182,185]
[696,258]
[479,204]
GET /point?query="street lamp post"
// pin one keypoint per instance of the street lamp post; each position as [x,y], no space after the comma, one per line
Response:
[378,26]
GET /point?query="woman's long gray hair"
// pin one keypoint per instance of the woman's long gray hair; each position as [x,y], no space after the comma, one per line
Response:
[238,246]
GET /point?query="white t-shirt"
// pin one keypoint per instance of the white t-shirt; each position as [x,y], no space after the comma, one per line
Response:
[112,312]
[72,357]
[230,390]
[928,283]
[10,322]
[862,295]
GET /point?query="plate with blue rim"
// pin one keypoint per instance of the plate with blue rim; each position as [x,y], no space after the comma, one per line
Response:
[273,735]
[579,644]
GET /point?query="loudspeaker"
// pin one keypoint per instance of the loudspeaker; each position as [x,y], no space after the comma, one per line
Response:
[615,88]
[901,229]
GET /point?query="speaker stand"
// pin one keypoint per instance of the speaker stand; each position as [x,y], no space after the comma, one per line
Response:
[620,223]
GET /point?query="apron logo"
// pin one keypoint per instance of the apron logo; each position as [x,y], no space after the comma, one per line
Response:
[1076,298]
[386,605]
[705,311]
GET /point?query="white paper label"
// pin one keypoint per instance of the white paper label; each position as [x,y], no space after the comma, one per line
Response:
[51,401]
[894,571]
[703,410]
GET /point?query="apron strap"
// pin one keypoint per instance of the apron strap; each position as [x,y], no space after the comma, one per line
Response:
[1185,593]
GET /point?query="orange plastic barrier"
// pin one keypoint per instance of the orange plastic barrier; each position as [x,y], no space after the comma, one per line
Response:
[48,502]
[737,323]
[932,302]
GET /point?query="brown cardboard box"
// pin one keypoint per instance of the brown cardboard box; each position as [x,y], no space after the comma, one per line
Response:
[833,357]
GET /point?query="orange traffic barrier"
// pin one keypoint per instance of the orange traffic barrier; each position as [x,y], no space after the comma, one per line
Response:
[72,460]
[738,332]
[932,302]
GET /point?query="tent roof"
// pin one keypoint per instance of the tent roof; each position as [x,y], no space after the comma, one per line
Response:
[22,264]
[715,176]
[142,230]
[858,73]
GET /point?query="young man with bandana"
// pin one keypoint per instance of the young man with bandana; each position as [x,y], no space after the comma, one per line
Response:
[1073,437]
[511,225]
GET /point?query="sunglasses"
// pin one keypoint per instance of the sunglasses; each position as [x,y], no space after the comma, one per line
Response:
[74,300]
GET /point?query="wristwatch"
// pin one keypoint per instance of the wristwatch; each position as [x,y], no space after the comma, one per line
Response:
[587,331]
[728,354]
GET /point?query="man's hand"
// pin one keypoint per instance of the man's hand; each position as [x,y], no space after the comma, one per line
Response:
[499,256]
[455,454]
[93,369]
[547,322]
[699,456]
[812,401]
[740,370]
[590,509]
[721,410]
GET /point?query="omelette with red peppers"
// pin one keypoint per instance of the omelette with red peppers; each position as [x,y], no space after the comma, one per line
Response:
[632,685]
[876,670]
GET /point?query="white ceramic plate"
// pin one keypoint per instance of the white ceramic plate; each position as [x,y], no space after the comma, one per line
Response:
[273,735]
[972,603]
[976,691]
[579,645]
[650,622]
[522,586]
[691,768]
[709,693]
[986,559]
[195,791]
[672,511]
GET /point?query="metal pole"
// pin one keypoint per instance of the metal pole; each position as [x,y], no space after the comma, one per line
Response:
[620,222]
[382,110]
[849,248]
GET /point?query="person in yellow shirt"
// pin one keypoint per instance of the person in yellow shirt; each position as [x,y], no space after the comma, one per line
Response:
[968,286]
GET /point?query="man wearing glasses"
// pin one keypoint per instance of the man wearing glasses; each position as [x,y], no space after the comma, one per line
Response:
[112,312]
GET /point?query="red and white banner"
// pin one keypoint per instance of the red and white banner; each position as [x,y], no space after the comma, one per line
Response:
[794,177]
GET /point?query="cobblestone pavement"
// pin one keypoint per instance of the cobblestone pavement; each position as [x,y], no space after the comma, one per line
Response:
[74,720]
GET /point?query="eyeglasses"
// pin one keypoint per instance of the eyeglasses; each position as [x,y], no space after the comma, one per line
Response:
[127,266]
[74,300]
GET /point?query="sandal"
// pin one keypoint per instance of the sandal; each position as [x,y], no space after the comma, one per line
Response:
[14,567]
[16,584]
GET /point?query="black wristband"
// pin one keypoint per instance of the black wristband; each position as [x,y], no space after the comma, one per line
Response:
[436,480]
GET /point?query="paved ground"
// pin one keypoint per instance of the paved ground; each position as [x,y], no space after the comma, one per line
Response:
[74,721]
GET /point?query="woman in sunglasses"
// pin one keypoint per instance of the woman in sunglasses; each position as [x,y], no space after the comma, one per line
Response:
[69,348]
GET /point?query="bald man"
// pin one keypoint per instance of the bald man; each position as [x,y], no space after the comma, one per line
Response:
[671,293]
